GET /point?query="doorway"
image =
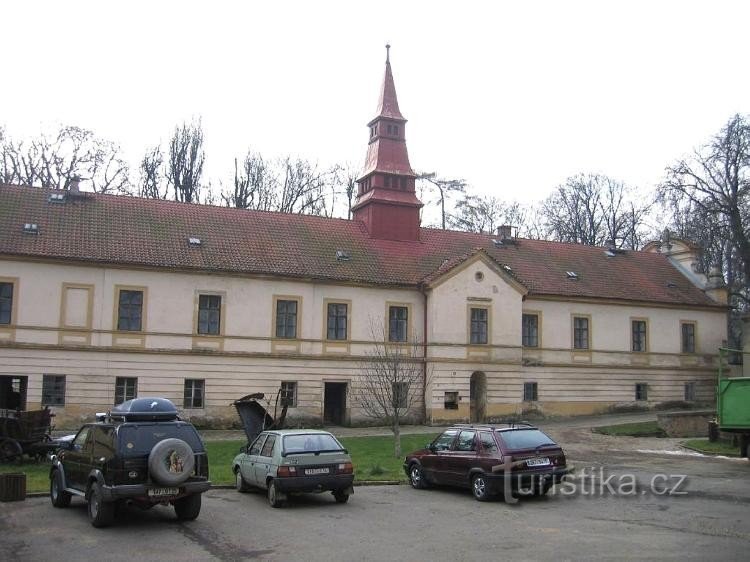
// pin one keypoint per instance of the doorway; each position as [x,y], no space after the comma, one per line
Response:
[334,403]
[477,397]
[13,392]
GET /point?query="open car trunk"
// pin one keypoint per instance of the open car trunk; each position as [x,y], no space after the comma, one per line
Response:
[254,416]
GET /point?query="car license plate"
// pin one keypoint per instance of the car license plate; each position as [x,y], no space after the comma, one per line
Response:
[544,461]
[158,492]
[311,471]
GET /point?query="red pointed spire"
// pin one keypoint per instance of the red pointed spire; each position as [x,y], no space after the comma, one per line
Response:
[388,103]
[386,200]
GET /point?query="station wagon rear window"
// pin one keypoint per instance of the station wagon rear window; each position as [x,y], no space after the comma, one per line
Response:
[524,438]
[310,443]
[141,439]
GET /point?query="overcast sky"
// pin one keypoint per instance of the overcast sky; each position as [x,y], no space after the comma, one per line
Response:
[514,97]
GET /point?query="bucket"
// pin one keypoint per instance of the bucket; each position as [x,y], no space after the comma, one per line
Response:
[12,487]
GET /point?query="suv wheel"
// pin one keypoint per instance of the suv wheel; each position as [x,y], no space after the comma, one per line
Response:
[479,488]
[340,496]
[188,508]
[57,494]
[273,494]
[416,477]
[239,481]
[101,513]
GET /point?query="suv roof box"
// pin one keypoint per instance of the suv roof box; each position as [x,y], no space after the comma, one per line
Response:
[144,409]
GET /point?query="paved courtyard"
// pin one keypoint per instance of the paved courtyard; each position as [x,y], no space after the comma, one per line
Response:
[706,517]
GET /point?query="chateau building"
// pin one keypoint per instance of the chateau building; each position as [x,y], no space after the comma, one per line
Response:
[104,297]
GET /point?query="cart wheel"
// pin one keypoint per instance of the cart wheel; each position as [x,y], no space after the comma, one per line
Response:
[10,449]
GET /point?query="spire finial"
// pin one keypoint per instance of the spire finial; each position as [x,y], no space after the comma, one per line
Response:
[387,52]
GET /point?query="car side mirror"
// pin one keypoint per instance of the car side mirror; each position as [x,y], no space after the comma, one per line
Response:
[430,447]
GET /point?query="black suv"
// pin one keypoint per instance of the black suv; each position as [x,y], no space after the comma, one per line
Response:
[141,453]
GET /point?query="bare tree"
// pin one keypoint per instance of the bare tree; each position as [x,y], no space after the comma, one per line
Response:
[391,382]
[481,213]
[302,187]
[152,175]
[444,188]
[254,185]
[595,210]
[185,164]
[53,161]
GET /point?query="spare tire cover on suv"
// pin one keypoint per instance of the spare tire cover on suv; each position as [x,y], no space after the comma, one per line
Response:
[171,462]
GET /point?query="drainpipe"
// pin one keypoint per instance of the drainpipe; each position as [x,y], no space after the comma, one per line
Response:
[424,353]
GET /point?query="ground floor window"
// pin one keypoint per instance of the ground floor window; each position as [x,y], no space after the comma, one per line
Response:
[126,388]
[451,401]
[289,394]
[400,394]
[53,390]
[689,391]
[194,393]
[641,391]
[530,392]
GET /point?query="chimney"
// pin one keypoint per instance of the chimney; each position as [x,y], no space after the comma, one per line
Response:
[505,232]
[74,184]
[716,288]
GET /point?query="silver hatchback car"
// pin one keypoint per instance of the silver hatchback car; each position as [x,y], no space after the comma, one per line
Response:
[294,461]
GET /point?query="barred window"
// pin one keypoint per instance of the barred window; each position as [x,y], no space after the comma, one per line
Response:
[689,391]
[209,314]
[398,320]
[289,394]
[530,330]
[530,392]
[450,401]
[6,302]
[126,388]
[194,395]
[639,335]
[479,321]
[400,394]
[337,313]
[688,337]
[130,311]
[53,390]
[286,319]
[580,332]
[641,391]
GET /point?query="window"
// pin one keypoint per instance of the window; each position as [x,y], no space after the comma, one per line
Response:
[450,402]
[466,441]
[267,450]
[398,322]
[6,302]
[209,314]
[444,440]
[639,335]
[337,317]
[688,337]
[530,392]
[289,394]
[403,183]
[126,388]
[390,129]
[387,181]
[286,319]
[257,444]
[400,394]
[580,332]
[479,318]
[530,330]
[689,391]
[641,391]
[395,130]
[194,393]
[53,390]
[488,442]
[130,311]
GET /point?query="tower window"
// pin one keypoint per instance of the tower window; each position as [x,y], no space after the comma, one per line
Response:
[390,130]
[387,181]
[403,183]
[395,130]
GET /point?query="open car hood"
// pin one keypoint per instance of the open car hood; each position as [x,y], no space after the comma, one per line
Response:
[255,418]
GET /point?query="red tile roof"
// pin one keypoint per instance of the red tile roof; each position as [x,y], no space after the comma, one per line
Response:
[115,229]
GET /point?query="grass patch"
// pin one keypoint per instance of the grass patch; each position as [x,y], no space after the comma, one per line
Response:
[640,429]
[372,458]
[707,447]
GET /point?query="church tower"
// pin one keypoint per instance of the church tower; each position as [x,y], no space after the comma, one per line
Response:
[386,199]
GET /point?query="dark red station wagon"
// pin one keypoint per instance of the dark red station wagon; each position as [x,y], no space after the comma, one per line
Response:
[489,459]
